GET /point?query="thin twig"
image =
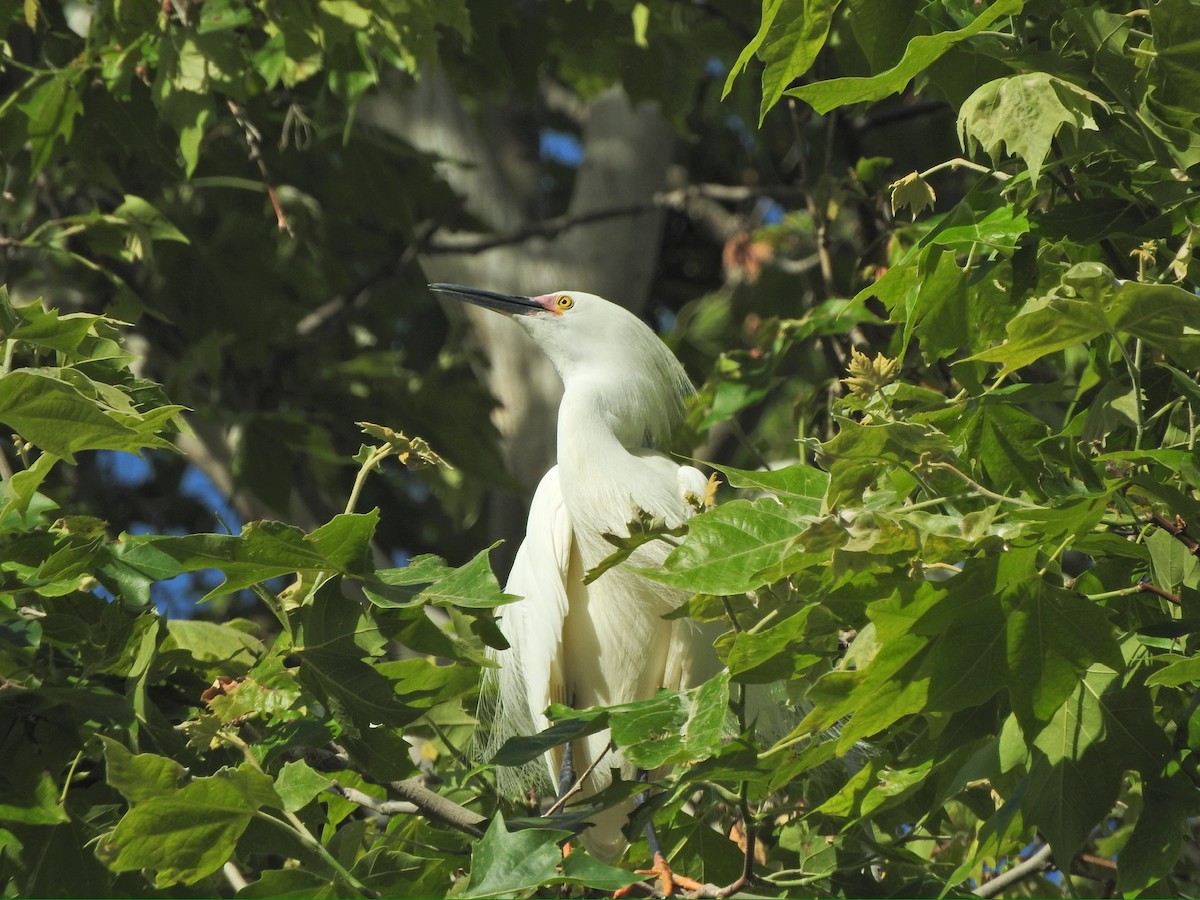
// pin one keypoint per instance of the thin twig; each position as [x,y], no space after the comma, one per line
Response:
[977,487]
[674,199]
[818,215]
[387,808]
[1149,588]
[578,785]
[354,297]
[1178,530]
[254,142]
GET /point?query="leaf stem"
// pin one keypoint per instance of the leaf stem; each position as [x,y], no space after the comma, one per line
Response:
[62,798]
[378,455]
[271,602]
[1055,555]
[979,488]
[1142,587]
[295,825]
[933,501]
[960,163]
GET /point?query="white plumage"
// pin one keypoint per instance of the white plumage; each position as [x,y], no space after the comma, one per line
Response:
[603,643]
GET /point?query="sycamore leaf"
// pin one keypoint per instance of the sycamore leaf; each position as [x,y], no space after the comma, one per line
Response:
[1103,729]
[192,832]
[1021,115]
[507,862]
[414,452]
[914,192]
[728,546]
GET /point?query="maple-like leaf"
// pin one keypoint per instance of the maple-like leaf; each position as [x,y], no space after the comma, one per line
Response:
[1021,114]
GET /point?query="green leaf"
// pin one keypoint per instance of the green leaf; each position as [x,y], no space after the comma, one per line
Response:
[422,683]
[914,192]
[19,494]
[229,650]
[770,9]
[40,806]
[1023,114]
[574,724]
[1044,328]
[50,111]
[297,784]
[293,884]
[46,410]
[856,455]
[1003,439]
[1177,43]
[997,229]
[507,862]
[263,550]
[1154,846]
[922,51]
[579,868]
[1164,316]
[796,35]
[729,545]
[768,655]
[938,310]
[708,707]
[1053,638]
[472,586]
[1172,564]
[1103,729]
[41,327]
[1185,671]
[803,487]
[192,832]
[140,776]
[650,732]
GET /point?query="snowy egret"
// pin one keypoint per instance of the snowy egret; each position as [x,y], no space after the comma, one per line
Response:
[606,642]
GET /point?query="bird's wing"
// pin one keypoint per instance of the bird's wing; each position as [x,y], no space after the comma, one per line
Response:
[534,625]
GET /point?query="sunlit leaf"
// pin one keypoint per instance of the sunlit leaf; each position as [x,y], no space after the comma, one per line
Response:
[922,52]
[1023,113]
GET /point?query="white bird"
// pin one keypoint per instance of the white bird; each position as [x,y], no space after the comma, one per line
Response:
[606,642]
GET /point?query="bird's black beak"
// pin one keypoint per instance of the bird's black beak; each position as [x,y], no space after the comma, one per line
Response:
[508,304]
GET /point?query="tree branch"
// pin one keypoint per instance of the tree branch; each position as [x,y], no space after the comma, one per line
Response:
[415,798]
[676,199]
[1177,530]
[1039,862]
[354,297]
[437,808]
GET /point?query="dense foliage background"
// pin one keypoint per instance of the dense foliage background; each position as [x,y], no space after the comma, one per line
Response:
[932,264]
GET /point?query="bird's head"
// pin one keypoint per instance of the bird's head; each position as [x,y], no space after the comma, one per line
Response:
[587,337]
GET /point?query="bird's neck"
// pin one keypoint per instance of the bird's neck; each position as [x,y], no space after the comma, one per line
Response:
[588,431]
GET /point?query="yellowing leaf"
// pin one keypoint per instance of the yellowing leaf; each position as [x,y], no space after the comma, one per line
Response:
[914,192]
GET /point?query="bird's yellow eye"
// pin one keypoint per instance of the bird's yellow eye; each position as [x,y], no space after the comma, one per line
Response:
[563,302]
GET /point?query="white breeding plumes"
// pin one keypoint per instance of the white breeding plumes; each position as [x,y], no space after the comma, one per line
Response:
[603,643]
